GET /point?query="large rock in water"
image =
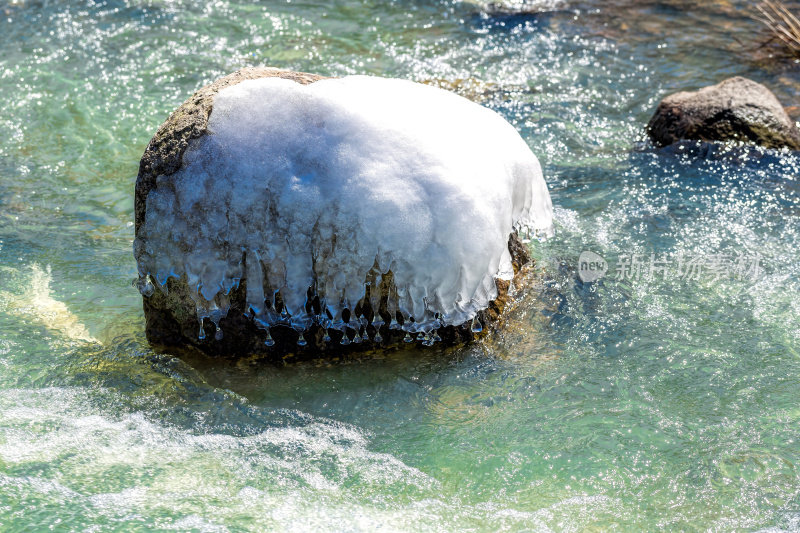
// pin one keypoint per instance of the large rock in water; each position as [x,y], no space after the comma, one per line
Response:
[280,212]
[736,109]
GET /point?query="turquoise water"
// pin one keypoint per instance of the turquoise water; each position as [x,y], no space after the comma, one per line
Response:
[625,404]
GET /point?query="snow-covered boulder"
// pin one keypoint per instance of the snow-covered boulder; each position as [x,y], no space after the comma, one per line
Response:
[279,212]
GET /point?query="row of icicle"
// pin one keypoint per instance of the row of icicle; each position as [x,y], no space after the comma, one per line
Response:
[426,332]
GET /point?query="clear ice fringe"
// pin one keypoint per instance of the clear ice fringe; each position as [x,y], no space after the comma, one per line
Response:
[318,311]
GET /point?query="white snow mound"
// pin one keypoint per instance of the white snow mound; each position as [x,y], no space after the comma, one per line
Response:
[315,184]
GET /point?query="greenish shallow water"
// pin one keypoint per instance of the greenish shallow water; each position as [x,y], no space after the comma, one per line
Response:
[622,404]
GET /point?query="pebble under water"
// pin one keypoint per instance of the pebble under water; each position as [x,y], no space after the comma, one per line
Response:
[662,396]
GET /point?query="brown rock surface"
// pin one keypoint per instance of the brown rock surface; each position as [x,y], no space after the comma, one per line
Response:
[736,109]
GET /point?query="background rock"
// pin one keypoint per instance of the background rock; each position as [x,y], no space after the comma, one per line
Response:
[737,109]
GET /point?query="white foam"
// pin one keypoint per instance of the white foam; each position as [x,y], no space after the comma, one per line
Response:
[315,184]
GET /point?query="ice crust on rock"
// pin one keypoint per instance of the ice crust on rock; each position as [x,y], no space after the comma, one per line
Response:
[331,185]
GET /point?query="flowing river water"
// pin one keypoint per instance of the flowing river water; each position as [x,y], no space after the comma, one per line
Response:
[653,398]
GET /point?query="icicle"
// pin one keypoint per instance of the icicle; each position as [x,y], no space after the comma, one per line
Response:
[145,286]
[476,325]
[255,280]
[269,341]
[391,307]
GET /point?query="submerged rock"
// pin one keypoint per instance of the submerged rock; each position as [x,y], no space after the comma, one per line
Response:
[471,88]
[736,109]
[281,212]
